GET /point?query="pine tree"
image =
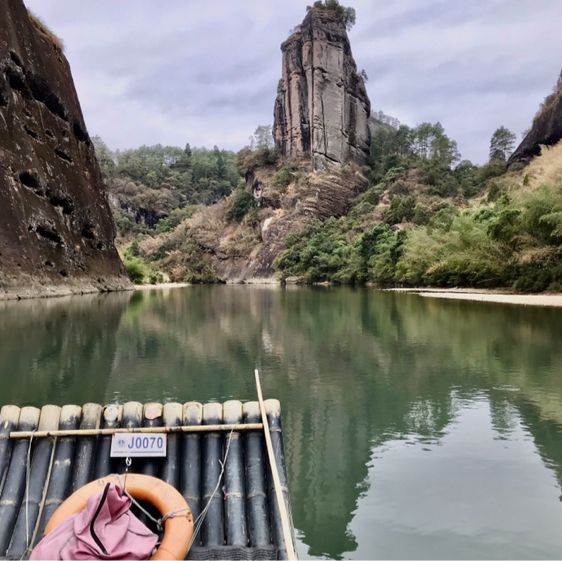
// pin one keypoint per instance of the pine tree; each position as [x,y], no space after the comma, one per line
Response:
[501,144]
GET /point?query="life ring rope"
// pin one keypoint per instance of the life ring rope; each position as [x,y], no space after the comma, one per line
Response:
[158,521]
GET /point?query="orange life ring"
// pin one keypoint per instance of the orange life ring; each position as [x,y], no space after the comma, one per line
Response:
[178,529]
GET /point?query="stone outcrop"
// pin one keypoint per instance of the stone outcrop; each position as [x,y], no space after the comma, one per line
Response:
[208,246]
[56,229]
[322,109]
[545,131]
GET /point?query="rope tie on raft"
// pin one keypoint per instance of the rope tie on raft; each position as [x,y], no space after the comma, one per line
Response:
[173,513]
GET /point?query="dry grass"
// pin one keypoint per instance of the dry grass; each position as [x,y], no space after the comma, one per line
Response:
[546,169]
[42,27]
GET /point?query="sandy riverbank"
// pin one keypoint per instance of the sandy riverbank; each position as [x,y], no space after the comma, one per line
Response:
[499,296]
[161,285]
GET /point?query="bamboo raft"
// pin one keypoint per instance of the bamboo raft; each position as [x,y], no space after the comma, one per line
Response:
[46,454]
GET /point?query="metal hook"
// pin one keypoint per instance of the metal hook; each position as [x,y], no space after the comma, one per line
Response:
[128,463]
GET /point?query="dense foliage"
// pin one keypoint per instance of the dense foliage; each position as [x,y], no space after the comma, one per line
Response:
[150,183]
[429,218]
[242,203]
[429,232]
[138,270]
[516,241]
[428,149]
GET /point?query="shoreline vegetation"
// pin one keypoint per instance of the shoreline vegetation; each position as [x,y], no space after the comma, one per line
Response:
[423,221]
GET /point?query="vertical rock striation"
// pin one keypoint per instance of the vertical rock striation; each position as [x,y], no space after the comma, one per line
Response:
[322,109]
[56,230]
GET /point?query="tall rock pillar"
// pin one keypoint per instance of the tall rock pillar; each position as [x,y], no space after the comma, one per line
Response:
[322,109]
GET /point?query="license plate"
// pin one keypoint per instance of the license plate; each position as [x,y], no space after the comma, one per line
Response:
[138,445]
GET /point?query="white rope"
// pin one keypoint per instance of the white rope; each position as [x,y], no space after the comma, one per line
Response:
[133,500]
[198,523]
[201,518]
[27,478]
[43,496]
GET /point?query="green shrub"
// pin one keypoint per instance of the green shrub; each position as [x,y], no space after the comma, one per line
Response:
[494,192]
[134,249]
[323,252]
[243,202]
[373,194]
[380,248]
[249,160]
[282,178]
[393,174]
[401,209]
[344,14]
[360,209]
[123,222]
[136,269]
[155,277]
[176,217]
[422,214]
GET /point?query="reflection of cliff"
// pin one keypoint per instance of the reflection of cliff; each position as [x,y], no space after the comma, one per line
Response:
[58,350]
[353,369]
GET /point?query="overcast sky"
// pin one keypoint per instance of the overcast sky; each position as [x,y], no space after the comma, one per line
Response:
[206,72]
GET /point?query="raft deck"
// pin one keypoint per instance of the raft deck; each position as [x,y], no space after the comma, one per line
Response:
[242,520]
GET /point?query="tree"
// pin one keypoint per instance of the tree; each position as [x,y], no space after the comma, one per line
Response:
[501,144]
[262,138]
[105,157]
[345,15]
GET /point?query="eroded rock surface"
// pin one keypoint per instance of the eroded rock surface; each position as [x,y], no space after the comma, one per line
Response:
[322,108]
[56,230]
[208,246]
[545,131]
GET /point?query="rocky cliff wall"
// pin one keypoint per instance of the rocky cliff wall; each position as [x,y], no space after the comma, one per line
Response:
[56,230]
[322,109]
[546,130]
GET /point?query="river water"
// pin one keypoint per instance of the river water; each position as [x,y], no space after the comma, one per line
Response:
[414,427]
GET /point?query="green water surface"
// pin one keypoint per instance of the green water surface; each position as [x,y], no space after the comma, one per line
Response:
[414,428]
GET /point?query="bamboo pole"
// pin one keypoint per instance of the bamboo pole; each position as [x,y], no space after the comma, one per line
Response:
[110,431]
[287,536]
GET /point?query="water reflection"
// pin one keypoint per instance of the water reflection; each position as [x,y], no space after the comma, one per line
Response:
[360,373]
[463,496]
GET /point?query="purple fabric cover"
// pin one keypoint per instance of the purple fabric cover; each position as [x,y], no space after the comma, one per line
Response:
[105,529]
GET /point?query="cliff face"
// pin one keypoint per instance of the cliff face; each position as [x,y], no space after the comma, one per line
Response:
[56,230]
[546,130]
[209,246]
[321,111]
